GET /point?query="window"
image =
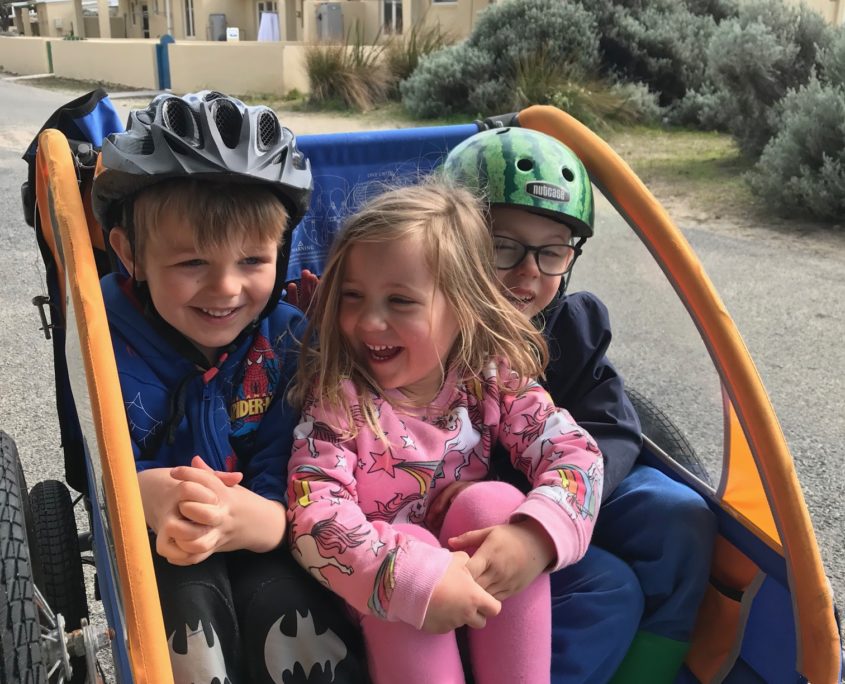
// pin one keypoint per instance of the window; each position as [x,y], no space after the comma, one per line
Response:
[265,6]
[190,32]
[392,16]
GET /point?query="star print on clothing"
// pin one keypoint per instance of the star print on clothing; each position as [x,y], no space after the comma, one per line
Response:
[376,546]
[341,461]
[384,461]
[408,442]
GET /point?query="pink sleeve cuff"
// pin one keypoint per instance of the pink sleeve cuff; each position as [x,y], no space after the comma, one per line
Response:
[417,573]
[570,538]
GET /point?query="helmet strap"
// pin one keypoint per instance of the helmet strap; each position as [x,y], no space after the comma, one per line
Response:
[548,315]
[564,282]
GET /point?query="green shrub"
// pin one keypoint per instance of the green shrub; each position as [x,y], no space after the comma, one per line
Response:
[802,169]
[444,82]
[349,74]
[479,75]
[563,30]
[637,104]
[832,58]
[661,43]
[753,60]
[700,108]
[718,9]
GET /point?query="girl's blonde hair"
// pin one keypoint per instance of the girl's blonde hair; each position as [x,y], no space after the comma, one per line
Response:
[457,247]
[219,214]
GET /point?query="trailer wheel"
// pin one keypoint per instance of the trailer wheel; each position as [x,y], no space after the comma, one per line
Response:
[661,430]
[59,569]
[20,633]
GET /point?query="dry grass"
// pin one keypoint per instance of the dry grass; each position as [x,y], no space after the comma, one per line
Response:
[350,73]
[541,79]
[697,174]
[403,52]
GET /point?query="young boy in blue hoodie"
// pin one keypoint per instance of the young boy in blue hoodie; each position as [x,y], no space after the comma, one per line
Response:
[634,597]
[198,197]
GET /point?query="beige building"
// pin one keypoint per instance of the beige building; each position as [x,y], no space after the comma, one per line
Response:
[832,10]
[285,20]
[250,20]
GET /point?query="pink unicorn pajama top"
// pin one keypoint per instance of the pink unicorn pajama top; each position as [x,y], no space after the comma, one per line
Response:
[345,494]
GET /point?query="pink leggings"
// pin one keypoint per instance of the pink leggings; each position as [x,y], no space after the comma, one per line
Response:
[515,646]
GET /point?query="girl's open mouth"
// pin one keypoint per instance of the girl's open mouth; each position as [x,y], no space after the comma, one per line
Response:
[382,352]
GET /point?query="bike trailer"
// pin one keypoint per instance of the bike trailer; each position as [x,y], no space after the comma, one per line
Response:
[768,615]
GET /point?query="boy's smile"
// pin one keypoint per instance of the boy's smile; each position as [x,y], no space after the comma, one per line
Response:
[524,285]
[396,322]
[208,295]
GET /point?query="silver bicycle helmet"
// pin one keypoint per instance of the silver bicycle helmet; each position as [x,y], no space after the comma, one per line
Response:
[202,135]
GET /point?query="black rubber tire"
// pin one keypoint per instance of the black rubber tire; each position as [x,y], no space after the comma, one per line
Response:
[60,577]
[661,430]
[20,633]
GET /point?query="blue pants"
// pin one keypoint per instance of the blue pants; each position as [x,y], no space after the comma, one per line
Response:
[647,570]
[597,604]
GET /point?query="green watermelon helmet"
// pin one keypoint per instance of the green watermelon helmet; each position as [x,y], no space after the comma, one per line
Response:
[520,167]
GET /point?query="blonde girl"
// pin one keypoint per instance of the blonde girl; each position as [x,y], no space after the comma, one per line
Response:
[419,367]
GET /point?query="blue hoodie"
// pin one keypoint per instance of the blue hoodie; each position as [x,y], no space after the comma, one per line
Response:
[233,414]
[582,380]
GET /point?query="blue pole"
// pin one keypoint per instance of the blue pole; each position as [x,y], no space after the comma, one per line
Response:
[163,61]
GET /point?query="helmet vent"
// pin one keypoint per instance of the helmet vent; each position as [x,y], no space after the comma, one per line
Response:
[524,164]
[268,130]
[176,116]
[228,120]
[567,174]
[212,95]
[132,145]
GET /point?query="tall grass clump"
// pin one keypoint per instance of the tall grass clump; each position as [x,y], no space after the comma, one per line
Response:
[403,53]
[597,103]
[349,74]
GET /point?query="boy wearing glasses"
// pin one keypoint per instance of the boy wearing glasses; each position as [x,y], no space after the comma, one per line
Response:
[634,597]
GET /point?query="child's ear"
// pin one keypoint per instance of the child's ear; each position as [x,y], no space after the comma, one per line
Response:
[119,241]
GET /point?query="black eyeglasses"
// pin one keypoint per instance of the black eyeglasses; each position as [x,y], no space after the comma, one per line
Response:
[552,260]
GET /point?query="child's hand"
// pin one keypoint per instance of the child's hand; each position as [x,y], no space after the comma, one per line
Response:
[509,557]
[216,515]
[301,295]
[203,497]
[206,503]
[437,511]
[458,600]
[178,538]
